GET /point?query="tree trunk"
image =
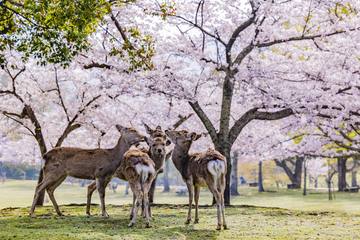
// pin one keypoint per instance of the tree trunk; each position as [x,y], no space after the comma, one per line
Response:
[225,150]
[305,176]
[234,176]
[293,174]
[328,182]
[341,162]
[316,182]
[354,178]
[260,178]
[166,177]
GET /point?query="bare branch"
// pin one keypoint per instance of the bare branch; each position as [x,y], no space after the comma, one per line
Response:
[301,38]
[255,114]
[60,96]
[205,120]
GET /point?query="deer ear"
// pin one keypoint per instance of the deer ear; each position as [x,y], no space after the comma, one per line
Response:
[158,128]
[148,141]
[195,136]
[119,127]
[148,129]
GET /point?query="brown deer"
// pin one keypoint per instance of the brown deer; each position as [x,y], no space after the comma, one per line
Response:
[199,169]
[157,152]
[98,164]
[139,170]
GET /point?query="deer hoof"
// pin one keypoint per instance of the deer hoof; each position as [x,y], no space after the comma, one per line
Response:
[188,221]
[131,224]
[218,227]
[60,214]
[196,221]
[32,215]
[148,225]
[105,215]
[225,227]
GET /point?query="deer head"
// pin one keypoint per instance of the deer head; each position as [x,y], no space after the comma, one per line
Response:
[182,138]
[157,145]
[130,135]
[157,132]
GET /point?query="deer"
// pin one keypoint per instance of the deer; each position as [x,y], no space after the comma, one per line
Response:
[157,143]
[157,151]
[199,169]
[139,170]
[96,164]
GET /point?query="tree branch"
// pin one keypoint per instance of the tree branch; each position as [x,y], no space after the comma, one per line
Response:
[301,38]
[205,120]
[255,114]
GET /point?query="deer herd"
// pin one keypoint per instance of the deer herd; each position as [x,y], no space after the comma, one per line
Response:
[139,166]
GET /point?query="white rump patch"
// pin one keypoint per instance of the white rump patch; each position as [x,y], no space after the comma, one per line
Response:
[144,171]
[216,168]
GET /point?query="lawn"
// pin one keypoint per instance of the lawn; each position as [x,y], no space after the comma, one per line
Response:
[283,215]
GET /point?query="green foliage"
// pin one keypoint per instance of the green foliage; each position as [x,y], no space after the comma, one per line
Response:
[167,8]
[138,50]
[51,31]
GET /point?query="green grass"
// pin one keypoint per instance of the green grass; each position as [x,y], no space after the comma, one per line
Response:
[283,215]
[168,223]
[20,193]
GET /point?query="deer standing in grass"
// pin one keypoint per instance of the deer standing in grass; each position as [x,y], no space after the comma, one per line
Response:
[199,169]
[157,152]
[139,170]
[97,164]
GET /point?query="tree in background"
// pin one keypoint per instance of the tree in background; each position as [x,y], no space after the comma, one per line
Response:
[234,175]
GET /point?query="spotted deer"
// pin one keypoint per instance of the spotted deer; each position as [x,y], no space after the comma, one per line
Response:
[157,152]
[97,164]
[199,169]
[139,170]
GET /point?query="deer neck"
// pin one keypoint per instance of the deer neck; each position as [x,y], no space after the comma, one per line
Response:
[180,157]
[121,147]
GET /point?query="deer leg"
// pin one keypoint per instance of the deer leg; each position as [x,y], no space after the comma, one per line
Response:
[101,186]
[133,207]
[50,190]
[136,189]
[217,197]
[146,189]
[40,187]
[143,209]
[90,189]
[222,189]
[196,195]
[190,188]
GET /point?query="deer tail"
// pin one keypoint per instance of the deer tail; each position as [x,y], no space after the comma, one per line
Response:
[216,168]
[144,171]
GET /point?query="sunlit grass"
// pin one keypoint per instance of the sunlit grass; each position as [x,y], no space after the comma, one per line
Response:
[284,215]
[20,193]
